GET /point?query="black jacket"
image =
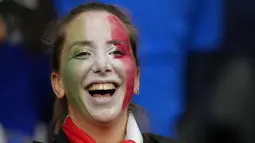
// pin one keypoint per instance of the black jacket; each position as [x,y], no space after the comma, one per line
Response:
[147,138]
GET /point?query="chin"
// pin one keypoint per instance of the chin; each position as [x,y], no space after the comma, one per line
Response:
[105,115]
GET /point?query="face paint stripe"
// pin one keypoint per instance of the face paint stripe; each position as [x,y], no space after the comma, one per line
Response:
[118,32]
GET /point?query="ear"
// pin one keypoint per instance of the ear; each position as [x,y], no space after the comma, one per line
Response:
[137,81]
[57,86]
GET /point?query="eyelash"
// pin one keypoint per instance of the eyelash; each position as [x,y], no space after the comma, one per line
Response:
[118,52]
[82,54]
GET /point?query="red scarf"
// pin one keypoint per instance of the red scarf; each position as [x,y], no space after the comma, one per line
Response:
[76,135]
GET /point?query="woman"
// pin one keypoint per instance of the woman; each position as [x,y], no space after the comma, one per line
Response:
[95,73]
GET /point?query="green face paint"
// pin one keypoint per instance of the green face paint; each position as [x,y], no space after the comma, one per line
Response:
[71,73]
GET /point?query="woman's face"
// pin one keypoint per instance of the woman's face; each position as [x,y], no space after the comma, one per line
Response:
[98,72]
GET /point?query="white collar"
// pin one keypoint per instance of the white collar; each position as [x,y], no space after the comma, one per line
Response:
[133,132]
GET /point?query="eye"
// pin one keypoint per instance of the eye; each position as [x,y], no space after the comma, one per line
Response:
[118,53]
[82,55]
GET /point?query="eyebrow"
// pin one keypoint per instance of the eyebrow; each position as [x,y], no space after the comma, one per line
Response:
[117,42]
[89,43]
[84,43]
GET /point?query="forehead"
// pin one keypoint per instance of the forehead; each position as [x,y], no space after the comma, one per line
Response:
[93,26]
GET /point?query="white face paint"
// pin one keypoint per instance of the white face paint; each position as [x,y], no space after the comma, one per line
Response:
[93,60]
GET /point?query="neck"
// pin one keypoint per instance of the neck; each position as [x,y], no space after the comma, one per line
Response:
[114,131]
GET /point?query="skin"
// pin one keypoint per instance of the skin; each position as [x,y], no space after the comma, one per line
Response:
[97,50]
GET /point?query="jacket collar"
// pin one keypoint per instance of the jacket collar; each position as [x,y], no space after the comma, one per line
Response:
[133,132]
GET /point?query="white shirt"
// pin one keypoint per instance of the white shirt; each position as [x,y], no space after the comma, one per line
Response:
[133,131]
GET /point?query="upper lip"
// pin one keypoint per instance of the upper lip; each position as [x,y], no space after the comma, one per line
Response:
[102,82]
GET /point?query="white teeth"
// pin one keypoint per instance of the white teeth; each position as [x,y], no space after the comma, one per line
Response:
[104,86]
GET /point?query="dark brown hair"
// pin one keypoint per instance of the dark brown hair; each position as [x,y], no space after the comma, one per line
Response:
[55,38]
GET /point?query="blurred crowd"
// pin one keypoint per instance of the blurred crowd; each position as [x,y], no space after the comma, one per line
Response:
[197,67]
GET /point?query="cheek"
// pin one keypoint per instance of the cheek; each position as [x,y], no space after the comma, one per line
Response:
[129,73]
[68,79]
[74,72]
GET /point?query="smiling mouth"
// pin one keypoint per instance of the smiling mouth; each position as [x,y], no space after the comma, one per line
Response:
[102,89]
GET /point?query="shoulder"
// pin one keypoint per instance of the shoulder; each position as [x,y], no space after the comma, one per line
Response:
[58,138]
[153,138]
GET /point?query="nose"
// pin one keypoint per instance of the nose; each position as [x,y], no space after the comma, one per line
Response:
[101,66]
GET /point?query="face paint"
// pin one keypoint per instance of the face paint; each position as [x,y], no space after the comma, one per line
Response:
[118,32]
[101,54]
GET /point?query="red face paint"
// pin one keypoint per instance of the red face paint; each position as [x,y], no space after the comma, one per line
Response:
[118,32]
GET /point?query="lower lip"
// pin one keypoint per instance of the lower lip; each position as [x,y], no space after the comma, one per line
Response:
[101,99]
